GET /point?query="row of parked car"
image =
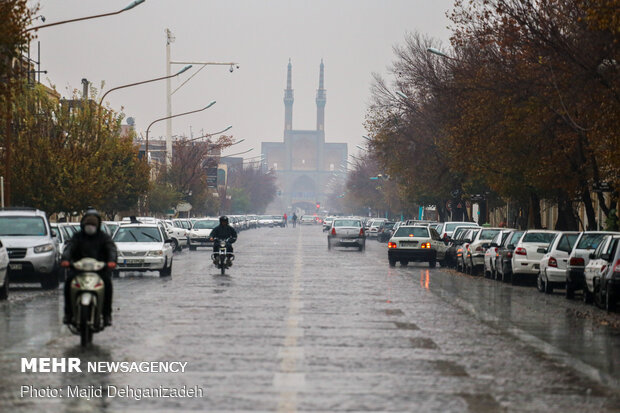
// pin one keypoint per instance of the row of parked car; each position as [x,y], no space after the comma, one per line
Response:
[586,261]
[31,246]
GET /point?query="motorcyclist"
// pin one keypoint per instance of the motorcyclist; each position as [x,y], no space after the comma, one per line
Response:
[224,231]
[90,242]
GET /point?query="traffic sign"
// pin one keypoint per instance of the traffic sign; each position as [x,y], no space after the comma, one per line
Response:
[602,187]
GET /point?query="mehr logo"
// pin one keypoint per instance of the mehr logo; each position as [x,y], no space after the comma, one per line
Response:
[51,365]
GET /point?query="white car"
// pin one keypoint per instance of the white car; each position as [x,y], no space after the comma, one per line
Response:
[199,235]
[477,249]
[579,257]
[600,259]
[373,229]
[413,243]
[178,235]
[526,257]
[491,253]
[143,247]
[448,228]
[553,263]
[4,275]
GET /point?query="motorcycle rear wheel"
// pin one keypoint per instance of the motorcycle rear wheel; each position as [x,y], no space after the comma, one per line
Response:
[86,334]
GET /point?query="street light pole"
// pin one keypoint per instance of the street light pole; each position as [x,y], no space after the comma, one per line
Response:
[167,117]
[129,7]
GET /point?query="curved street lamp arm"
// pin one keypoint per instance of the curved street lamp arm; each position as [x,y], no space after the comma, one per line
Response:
[131,6]
[142,82]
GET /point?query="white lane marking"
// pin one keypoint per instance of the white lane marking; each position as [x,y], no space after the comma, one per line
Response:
[289,381]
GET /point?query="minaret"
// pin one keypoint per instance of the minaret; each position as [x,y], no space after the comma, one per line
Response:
[288,99]
[321,99]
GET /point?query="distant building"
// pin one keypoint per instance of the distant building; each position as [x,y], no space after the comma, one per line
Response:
[305,165]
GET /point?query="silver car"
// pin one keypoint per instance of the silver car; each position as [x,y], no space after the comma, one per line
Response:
[346,232]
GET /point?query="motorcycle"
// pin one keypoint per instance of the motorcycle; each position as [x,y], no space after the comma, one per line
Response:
[222,259]
[87,298]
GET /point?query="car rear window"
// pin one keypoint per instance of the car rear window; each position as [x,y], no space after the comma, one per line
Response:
[541,237]
[347,223]
[450,226]
[137,234]
[489,233]
[205,224]
[22,226]
[589,241]
[412,232]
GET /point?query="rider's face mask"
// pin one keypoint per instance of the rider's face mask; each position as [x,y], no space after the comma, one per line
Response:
[90,229]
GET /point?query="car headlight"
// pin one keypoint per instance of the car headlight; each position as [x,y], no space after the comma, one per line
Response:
[44,248]
[155,253]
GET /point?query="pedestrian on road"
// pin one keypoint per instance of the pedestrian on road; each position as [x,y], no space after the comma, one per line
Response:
[285,220]
[90,242]
[294,218]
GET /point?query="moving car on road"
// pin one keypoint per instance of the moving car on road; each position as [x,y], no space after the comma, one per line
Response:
[347,232]
[143,247]
[199,235]
[412,243]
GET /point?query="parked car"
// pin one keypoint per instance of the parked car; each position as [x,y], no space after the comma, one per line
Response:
[477,249]
[579,257]
[278,221]
[375,225]
[453,245]
[265,221]
[307,220]
[462,251]
[600,259]
[553,264]
[503,261]
[346,232]
[609,287]
[143,247]
[491,253]
[526,256]
[4,272]
[385,232]
[110,227]
[200,232]
[412,243]
[447,229]
[31,246]
[178,235]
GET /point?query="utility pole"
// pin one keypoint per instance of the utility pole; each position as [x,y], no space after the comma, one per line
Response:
[169,39]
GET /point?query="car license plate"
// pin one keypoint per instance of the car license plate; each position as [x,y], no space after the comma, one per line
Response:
[16,267]
[134,261]
[409,243]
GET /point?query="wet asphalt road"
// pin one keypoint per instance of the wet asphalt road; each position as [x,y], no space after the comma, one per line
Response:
[297,328]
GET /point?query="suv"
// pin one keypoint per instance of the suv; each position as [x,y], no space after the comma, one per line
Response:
[30,243]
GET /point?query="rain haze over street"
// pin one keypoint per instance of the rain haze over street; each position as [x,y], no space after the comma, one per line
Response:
[319,330]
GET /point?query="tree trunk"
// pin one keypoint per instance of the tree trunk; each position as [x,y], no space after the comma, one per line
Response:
[567,220]
[590,212]
[534,220]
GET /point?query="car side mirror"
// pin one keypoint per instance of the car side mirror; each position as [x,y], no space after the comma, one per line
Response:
[592,255]
[606,257]
[168,241]
[542,250]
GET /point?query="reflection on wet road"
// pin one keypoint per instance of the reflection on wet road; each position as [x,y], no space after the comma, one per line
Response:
[296,327]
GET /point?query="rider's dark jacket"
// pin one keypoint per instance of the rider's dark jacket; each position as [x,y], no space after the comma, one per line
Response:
[224,232]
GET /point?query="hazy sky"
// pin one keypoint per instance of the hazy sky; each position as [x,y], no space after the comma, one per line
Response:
[354,37]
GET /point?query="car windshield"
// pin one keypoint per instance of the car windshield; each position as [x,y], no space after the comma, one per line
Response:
[589,241]
[539,237]
[450,226]
[22,226]
[264,217]
[489,233]
[412,232]
[347,223]
[210,224]
[137,234]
